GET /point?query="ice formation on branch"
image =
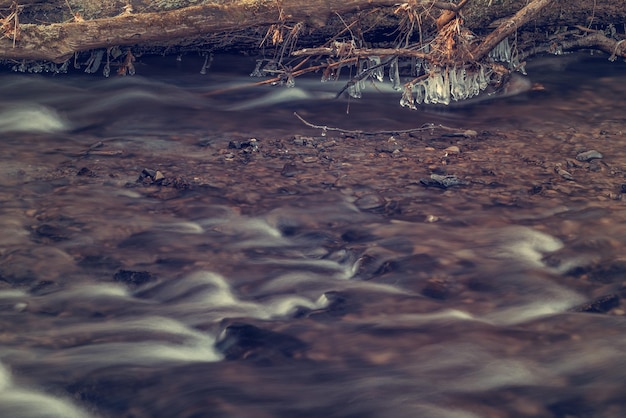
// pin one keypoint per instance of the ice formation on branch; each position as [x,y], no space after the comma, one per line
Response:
[446,84]
[502,51]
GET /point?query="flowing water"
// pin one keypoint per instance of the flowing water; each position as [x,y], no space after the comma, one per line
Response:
[155,262]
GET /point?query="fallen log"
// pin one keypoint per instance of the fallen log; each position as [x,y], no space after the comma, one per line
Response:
[134,26]
[469,43]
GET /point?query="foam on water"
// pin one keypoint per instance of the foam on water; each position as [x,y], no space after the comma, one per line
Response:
[19,402]
[204,295]
[143,353]
[21,117]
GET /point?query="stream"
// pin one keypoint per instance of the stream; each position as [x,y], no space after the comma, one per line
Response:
[169,251]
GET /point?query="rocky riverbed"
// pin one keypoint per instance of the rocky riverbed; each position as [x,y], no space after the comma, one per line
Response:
[171,253]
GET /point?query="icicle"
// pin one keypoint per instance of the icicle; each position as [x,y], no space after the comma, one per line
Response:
[445,87]
[208,59]
[291,82]
[377,73]
[502,51]
[106,71]
[407,99]
[462,80]
[437,81]
[63,67]
[457,88]
[354,90]
[418,66]
[394,74]
[93,63]
[473,84]
[482,79]
[257,69]
[427,86]
[419,93]
[331,74]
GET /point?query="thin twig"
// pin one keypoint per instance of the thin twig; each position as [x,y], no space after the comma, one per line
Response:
[426,127]
[15,24]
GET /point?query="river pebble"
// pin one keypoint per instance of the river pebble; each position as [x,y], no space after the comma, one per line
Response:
[441,181]
[370,202]
[589,155]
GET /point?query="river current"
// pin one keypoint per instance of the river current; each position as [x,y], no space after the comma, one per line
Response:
[252,287]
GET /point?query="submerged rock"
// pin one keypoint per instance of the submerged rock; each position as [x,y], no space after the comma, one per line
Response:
[133,278]
[589,155]
[241,341]
[441,181]
[370,201]
[603,304]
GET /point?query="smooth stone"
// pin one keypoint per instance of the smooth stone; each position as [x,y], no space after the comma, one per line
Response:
[370,201]
[589,155]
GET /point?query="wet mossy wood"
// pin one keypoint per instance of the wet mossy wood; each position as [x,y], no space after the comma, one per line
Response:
[55,30]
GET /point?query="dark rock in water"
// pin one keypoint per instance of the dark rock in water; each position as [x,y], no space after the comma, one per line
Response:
[85,172]
[536,189]
[250,143]
[133,278]
[289,170]
[603,304]
[441,181]
[51,232]
[339,304]
[436,289]
[27,278]
[607,273]
[153,176]
[43,287]
[409,266]
[146,172]
[247,342]
[356,235]
[589,155]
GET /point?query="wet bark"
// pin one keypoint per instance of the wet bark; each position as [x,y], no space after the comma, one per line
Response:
[55,30]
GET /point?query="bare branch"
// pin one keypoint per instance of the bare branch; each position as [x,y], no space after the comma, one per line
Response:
[509,26]
[359,53]
[598,40]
